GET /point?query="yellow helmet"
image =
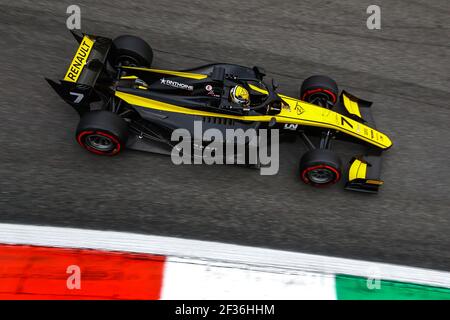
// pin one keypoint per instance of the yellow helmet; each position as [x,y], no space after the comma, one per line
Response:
[240,95]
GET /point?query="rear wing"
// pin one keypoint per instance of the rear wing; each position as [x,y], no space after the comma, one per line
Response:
[364,172]
[77,86]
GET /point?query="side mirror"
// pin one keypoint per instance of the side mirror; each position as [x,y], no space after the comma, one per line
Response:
[260,72]
[272,122]
[274,84]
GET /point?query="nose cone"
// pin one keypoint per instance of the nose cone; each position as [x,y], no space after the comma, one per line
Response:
[386,141]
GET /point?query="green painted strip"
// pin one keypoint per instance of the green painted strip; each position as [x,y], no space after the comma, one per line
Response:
[358,288]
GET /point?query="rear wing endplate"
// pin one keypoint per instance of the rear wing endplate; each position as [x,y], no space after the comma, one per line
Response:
[77,86]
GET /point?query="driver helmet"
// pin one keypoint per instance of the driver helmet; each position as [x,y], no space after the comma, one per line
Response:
[240,95]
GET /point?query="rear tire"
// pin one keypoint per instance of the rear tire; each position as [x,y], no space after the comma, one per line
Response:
[130,51]
[102,132]
[319,87]
[320,167]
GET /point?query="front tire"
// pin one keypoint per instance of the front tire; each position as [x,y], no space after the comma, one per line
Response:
[320,167]
[102,132]
[316,88]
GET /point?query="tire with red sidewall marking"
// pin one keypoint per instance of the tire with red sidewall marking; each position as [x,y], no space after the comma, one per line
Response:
[319,85]
[102,132]
[320,167]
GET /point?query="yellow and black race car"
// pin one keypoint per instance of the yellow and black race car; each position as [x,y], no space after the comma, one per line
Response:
[124,103]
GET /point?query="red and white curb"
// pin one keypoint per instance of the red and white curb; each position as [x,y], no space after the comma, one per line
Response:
[34,262]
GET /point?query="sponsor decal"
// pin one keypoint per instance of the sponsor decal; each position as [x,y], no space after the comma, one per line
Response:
[211,92]
[79,60]
[290,126]
[285,106]
[299,109]
[176,84]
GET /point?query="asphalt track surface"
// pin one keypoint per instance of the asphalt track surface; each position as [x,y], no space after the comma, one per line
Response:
[47,179]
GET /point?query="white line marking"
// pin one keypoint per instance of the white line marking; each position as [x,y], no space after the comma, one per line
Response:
[197,280]
[254,258]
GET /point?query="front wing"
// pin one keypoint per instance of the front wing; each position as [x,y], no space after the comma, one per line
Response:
[365,170]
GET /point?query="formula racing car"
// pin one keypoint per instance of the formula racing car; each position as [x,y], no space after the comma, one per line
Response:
[125,103]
